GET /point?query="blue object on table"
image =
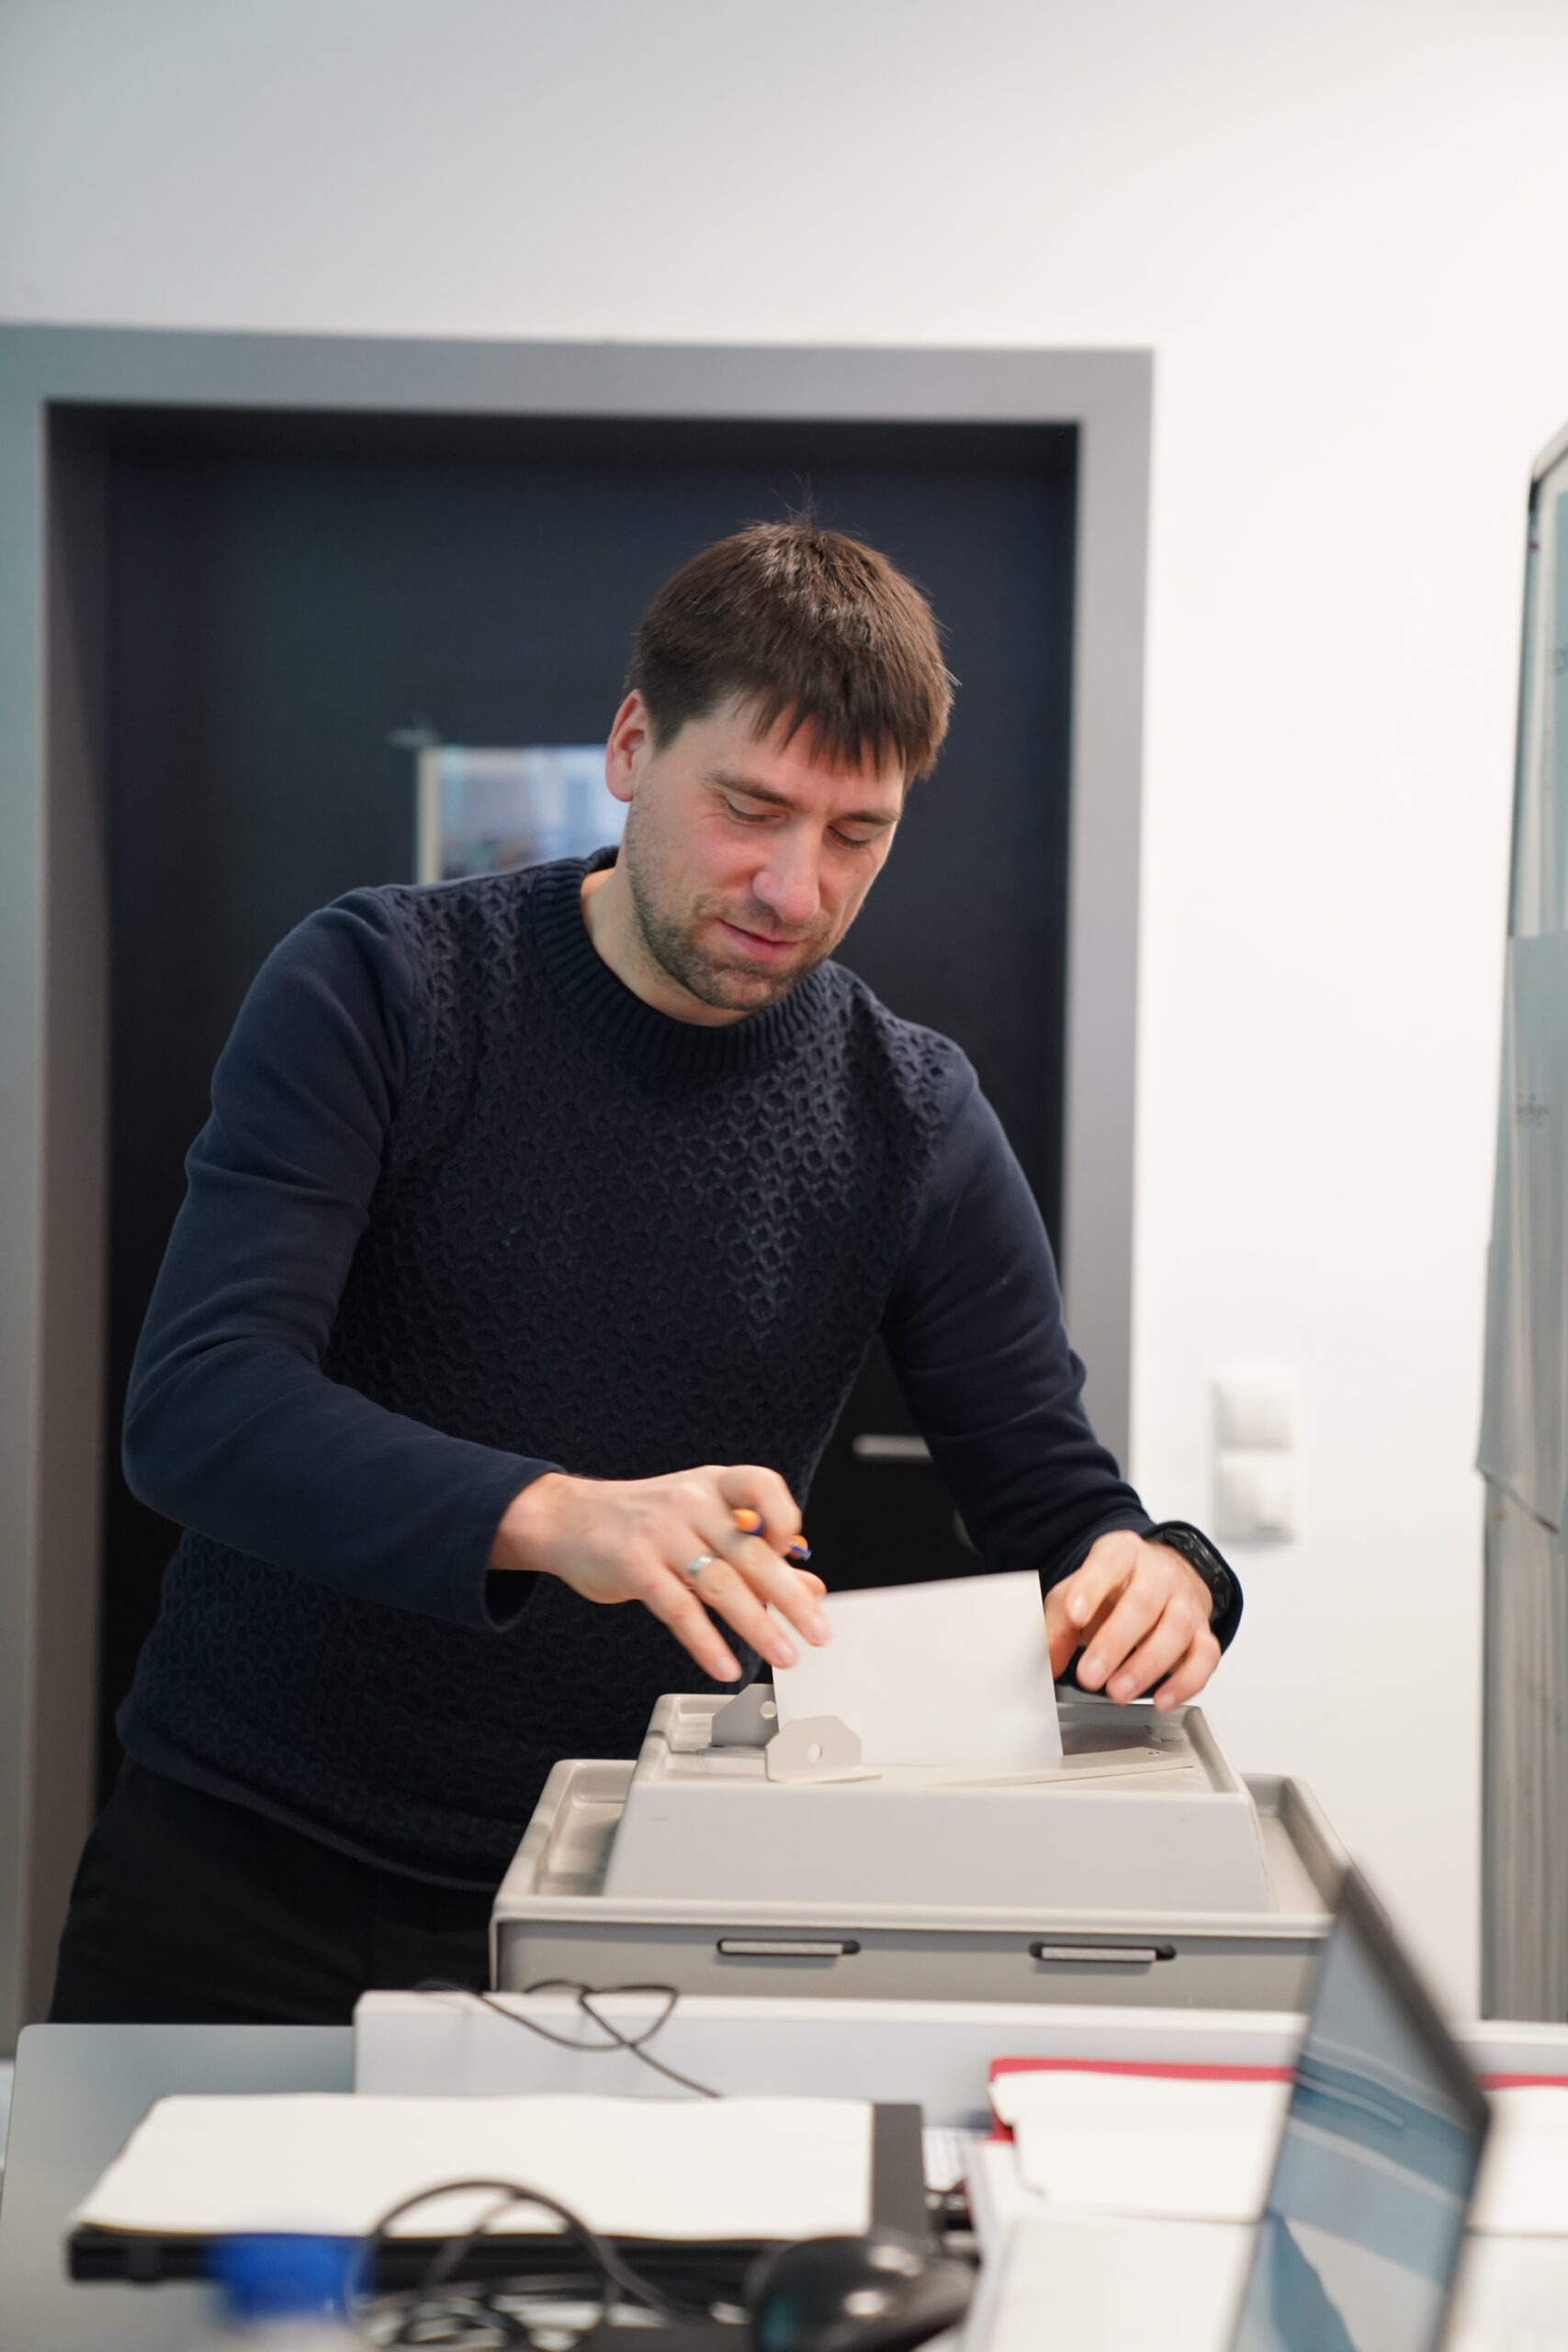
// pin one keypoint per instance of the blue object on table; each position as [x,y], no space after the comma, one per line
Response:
[272,2276]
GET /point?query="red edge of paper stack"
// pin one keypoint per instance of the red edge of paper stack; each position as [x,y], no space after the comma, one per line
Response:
[1186,2074]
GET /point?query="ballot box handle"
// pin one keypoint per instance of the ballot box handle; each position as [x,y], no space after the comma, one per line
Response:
[788,1948]
[1102,1955]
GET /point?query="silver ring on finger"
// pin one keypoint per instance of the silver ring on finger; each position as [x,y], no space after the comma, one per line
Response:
[693,1568]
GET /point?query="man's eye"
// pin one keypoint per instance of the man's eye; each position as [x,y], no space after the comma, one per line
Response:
[748,816]
[851,840]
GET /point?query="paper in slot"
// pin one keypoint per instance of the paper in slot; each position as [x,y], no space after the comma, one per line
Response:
[953,1673]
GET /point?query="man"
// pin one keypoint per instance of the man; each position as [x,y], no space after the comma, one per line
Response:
[540,1228]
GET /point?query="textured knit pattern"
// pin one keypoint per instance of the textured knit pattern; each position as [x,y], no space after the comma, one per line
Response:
[621,1244]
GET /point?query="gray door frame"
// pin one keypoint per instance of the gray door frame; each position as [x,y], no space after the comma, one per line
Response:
[54,1022]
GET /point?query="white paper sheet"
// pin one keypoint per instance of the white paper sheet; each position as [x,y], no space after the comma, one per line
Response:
[1511,2292]
[1156,2145]
[334,2162]
[1523,2187]
[953,1672]
[998,2196]
[1090,2282]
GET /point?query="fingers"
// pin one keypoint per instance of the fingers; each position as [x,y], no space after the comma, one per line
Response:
[1190,1676]
[776,1584]
[1062,1637]
[673,1600]
[1162,1650]
[681,1602]
[1077,1607]
[1135,1615]
[724,1588]
[1085,1594]
[744,1578]
[772,1583]
[638,1538]
[752,1522]
[1143,1619]
[747,1487]
[758,1498]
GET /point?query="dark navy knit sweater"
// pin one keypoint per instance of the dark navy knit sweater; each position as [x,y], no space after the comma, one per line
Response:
[466,1209]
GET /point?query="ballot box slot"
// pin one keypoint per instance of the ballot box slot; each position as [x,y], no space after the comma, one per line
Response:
[1102,1955]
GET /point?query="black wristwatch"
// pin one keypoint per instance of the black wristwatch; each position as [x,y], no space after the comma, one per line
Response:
[1198,1552]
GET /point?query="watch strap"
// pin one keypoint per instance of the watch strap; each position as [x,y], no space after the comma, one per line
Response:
[1178,1536]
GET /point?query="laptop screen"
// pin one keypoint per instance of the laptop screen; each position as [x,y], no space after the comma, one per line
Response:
[1361,2230]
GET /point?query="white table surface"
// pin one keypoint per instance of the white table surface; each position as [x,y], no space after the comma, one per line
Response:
[78,2091]
[1094,2283]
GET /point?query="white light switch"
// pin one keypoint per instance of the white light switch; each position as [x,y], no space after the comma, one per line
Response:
[1255,1498]
[1257,1466]
[1256,1412]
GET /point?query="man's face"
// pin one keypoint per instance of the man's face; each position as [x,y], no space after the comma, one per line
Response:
[747,857]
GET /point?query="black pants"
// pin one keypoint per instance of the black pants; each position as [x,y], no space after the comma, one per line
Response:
[189,1910]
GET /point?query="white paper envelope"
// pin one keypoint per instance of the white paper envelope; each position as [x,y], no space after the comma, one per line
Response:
[955,1672]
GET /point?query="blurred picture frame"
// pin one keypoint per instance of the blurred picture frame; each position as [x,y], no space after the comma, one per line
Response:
[488,809]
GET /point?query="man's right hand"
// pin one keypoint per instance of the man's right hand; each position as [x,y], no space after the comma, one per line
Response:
[636,1539]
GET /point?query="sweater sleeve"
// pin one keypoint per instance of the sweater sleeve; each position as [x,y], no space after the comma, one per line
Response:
[977,1336]
[232,1428]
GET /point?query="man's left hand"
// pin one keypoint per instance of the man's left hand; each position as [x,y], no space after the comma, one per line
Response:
[1140,1613]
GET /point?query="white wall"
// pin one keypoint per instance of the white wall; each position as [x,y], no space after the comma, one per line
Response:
[1340,225]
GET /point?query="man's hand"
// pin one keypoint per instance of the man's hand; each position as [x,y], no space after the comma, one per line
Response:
[1141,1615]
[634,1539]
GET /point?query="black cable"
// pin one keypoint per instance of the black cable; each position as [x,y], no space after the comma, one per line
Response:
[586,1996]
[430,2311]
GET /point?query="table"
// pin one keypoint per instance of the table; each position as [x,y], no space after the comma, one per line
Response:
[78,2091]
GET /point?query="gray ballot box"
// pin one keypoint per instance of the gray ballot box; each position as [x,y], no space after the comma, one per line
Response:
[1139,1868]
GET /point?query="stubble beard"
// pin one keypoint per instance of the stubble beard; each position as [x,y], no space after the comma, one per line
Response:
[673,942]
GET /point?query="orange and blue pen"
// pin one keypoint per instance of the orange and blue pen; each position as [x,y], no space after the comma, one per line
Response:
[752,1522]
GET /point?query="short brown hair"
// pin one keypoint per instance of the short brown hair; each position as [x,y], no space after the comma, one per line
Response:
[807,625]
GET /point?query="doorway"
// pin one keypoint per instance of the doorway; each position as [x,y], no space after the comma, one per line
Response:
[293,602]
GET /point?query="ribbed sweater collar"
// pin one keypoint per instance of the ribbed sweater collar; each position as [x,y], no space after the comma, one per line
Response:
[659,1045]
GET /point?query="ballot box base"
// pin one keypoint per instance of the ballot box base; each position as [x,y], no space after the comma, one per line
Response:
[559,1915]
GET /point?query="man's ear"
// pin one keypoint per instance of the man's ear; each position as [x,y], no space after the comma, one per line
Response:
[630,746]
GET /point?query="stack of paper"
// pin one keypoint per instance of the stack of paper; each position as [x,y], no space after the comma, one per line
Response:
[332,2163]
[1188,2144]
[1523,2189]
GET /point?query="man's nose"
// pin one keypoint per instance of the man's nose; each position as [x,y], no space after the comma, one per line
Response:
[789,885]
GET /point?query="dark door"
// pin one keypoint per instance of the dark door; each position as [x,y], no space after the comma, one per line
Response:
[285,599]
